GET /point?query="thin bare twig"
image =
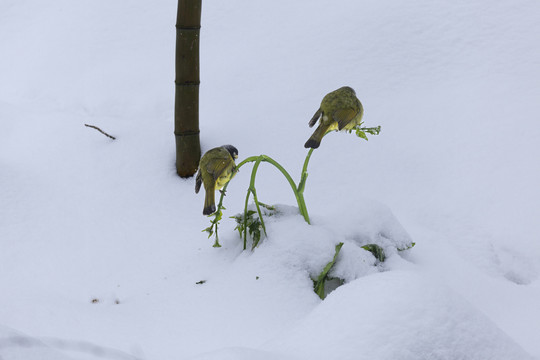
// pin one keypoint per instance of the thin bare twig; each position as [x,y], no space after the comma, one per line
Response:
[101,131]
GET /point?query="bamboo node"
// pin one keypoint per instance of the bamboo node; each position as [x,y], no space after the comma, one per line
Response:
[187,83]
[187,133]
[182,27]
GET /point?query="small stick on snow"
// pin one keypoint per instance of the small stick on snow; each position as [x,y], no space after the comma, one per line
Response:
[101,131]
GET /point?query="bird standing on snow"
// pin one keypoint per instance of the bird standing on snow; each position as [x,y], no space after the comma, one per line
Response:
[340,110]
[215,170]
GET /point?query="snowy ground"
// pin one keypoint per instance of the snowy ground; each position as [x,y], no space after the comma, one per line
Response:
[101,243]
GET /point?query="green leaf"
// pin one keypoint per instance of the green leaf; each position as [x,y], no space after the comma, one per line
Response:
[361,134]
[255,231]
[318,285]
[376,250]
[268,207]
[251,224]
[209,231]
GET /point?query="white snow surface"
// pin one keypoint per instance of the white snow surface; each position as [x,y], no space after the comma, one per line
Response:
[101,242]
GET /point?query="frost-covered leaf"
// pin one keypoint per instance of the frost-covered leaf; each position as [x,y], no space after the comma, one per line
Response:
[373,131]
[410,246]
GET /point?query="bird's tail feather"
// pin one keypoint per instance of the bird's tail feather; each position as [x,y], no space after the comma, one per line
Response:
[315,140]
[209,202]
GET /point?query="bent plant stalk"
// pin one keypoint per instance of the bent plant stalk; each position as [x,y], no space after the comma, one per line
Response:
[298,190]
[213,228]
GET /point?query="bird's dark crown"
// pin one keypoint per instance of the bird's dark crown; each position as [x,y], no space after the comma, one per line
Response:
[349,88]
[232,150]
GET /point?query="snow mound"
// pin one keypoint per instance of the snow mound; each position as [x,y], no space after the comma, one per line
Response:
[238,353]
[396,315]
[15,345]
[298,246]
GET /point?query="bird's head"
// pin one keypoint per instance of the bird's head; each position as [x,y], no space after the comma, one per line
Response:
[350,89]
[232,150]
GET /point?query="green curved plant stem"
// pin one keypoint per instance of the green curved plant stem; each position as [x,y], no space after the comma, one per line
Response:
[214,223]
[304,174]
[216,243]
[299,197]
[302,183]
[245,161]
[306,162]
[297,190]
[245,218]
[253,191]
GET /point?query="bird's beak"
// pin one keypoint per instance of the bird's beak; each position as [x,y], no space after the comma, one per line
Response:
[236,156]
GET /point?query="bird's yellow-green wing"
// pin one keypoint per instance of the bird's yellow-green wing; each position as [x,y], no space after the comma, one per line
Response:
[344,116]
[219,163]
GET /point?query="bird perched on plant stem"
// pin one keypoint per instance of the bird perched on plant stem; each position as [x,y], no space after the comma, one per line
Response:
[216,168]
[340,110]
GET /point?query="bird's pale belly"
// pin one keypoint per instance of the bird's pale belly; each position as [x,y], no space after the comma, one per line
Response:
[349,126]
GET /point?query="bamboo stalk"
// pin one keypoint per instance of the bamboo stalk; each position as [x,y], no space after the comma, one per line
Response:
[186,102]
